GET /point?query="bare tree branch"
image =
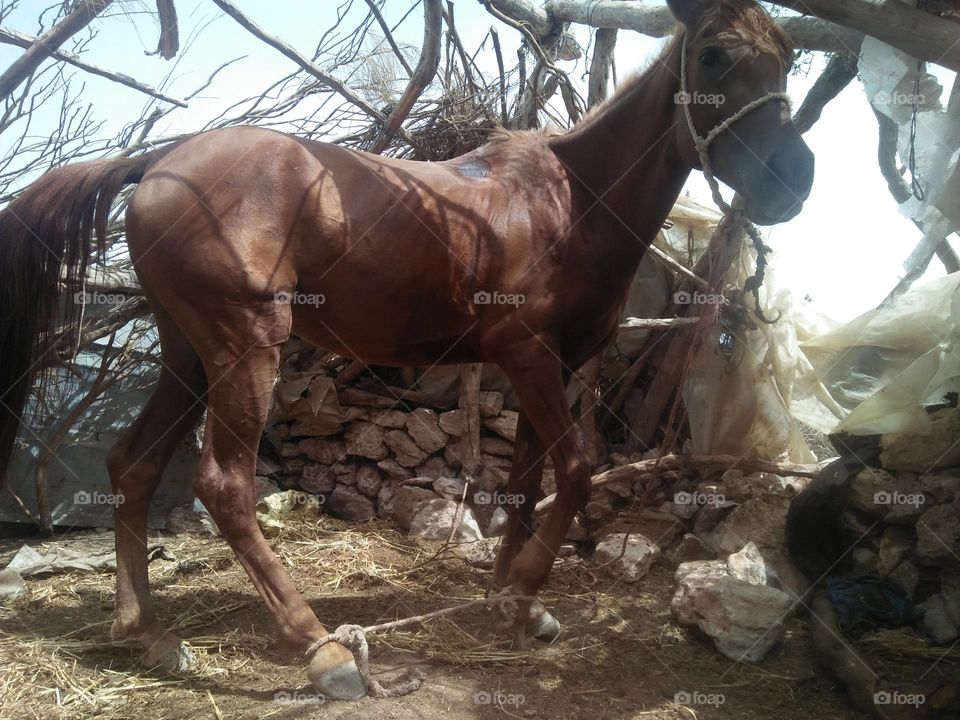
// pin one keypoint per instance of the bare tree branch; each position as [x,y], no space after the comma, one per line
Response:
[307,65]
[46,44]
[422,76]
[13,37]
[839,72]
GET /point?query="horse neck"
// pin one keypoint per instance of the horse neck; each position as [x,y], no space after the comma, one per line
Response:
[624,161]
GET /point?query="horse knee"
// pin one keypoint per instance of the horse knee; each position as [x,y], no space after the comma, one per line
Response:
[577,479]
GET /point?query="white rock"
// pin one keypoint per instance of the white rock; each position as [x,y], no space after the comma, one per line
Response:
[479,554]
[748,565]
[498,522]
[638,556]
[436,518]
[744,620]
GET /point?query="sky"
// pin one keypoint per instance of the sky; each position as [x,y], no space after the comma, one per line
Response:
[844,251]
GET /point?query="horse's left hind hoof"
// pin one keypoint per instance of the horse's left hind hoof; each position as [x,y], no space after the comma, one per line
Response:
[543,627]
[340,682]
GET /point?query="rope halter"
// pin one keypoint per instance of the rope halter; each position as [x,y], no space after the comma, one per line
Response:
[702,144]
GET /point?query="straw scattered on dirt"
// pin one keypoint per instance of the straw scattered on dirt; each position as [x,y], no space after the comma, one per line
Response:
[620,655]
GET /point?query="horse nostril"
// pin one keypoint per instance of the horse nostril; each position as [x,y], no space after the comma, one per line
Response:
[795,171]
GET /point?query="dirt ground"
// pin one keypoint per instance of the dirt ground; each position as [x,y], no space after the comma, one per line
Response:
[619,656]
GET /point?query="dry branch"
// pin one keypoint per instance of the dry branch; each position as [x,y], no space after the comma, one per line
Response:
[169,41]
[422,76]
[839,72]
[46,44]
[388,35]
[13,37]
[918,33]
[807,32]
[308,66]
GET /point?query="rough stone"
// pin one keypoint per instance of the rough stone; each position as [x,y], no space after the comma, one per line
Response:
[943,486]
[369,480]
[435,519]
[449,487]
[504,424]
[941,619]
[394,469]
[366,440]
[599,508]
[496,446]
[869,488]
[407,452]
[638,556]
[407,501]
[313,426]
[480,553]
[423,425]
[491,403]
[316,478]
[864,561]
[924,452]
[744,620]
[692,548]
[434,468]
[895,545]
[345,502]
[748,565]
[905,576]
[386,499]
[938,536]
[760,520]
[394,419]
[451,422]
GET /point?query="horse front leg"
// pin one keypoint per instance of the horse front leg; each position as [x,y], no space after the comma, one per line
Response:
[538,377]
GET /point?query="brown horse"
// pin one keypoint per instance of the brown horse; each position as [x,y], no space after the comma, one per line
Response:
[241,236]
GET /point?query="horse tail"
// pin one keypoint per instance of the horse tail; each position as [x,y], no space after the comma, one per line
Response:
[47,238]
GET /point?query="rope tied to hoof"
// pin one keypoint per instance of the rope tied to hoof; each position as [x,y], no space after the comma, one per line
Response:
[354,638]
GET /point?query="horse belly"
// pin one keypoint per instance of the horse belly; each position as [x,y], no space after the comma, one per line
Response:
[385,314]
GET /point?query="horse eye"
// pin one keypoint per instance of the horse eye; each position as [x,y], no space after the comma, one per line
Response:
[710,56]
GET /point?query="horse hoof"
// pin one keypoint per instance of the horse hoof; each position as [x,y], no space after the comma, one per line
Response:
[169,654]
[544,627]
[341,682]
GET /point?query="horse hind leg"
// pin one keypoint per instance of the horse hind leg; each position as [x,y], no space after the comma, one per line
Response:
[239,397]
[135,465]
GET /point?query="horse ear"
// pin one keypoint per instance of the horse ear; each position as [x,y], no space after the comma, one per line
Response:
[688,12]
